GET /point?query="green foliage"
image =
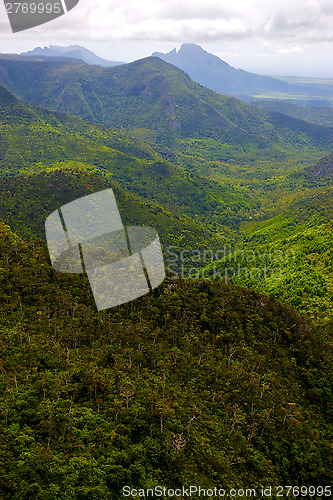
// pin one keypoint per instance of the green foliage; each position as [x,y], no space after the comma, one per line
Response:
[151,94]
[27,201]
[35,140]
[200,382]
[288,256]
[197,383]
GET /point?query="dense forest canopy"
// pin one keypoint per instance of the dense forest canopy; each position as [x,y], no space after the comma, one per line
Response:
[197,383]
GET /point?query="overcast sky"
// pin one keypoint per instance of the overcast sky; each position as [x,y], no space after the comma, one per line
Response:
[275,37]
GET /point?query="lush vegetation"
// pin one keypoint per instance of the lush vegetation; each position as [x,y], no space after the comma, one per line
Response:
[197,196]
[27,200]
[35,140]
[152,95]
[197,383]
[289,256]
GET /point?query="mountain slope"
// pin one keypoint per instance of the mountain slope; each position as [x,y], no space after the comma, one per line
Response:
[151,94]
[316,114]
[34,140]
[323,169]
[142,394]
[27,200]
[216,74]
[290,255]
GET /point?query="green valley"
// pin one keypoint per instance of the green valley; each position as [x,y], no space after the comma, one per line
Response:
[36,140]
[209,165]
[288,256]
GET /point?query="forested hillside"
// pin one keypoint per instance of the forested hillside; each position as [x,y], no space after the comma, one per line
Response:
[289,256]
[35,140]
[27,201]
[197,383]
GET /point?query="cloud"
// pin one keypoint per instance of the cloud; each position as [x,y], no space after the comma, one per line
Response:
[194,20]
[267,27]
[291,50]
[309,20]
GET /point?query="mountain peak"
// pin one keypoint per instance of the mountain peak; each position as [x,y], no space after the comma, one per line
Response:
[191,46]
[190,55]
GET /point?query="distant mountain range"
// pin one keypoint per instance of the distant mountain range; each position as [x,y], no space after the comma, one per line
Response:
[72,52]
[207,70]
[216,74]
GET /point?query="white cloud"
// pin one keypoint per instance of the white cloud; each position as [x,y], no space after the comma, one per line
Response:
[214,19]
[291,50]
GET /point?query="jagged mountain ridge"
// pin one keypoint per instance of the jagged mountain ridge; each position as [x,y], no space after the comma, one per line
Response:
[72,52]
[214,73]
